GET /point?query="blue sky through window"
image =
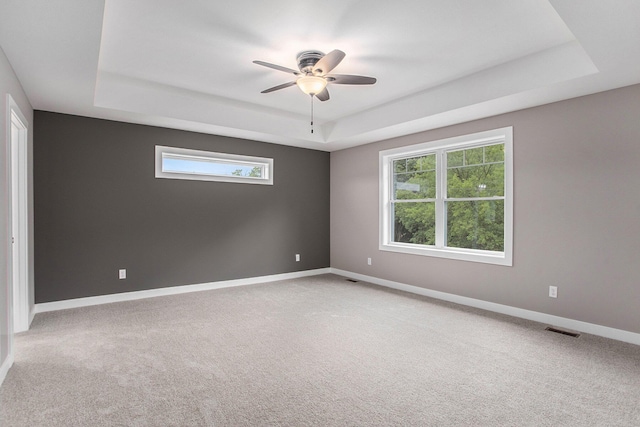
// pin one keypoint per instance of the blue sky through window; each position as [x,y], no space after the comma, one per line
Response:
[209,167]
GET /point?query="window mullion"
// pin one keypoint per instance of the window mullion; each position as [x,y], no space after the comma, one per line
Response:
[441,182]
[392,197]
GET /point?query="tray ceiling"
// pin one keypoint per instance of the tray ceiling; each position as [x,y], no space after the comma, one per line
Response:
[188,65]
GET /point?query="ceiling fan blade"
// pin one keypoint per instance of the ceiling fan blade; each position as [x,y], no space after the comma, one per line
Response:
[328,62]
[324,95]
[347,79]
[277,67]
[282,86]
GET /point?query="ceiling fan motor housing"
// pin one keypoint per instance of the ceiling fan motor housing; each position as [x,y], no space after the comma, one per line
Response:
[307,59]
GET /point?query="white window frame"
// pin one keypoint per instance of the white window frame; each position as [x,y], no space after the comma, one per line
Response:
[440,147]
[162,152]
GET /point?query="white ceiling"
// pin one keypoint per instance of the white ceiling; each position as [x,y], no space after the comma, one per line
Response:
[188,64]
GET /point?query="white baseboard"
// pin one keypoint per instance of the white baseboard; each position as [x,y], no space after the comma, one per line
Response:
[173,290]
[563,322]
[4,368]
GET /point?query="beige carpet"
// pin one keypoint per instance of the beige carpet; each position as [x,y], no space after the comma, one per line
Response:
[318,351]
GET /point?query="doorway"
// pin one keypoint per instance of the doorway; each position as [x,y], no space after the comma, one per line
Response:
[19,217]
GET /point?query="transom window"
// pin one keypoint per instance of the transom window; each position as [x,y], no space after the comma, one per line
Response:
[450,198]
[182,163]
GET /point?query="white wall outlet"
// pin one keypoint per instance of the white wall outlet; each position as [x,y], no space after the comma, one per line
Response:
[368,261]
[297,257]
[122,273]
[553,291]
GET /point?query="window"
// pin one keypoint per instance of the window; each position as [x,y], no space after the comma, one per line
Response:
[451,198]
[181,163]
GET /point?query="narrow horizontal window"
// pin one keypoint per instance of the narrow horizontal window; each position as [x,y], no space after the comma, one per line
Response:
[182,163]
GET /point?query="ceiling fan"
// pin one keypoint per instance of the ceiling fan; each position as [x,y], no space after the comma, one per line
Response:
[314,76]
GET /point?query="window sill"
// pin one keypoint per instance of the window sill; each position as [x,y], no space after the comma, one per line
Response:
[486,257]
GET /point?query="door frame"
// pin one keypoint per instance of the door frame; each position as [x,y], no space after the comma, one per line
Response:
[17,144]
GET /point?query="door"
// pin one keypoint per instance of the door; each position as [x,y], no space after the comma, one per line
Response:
[19,221]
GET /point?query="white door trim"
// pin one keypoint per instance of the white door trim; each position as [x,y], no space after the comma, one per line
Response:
[17,141]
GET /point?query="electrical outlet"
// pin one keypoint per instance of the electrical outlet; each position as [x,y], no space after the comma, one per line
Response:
[368,261]
[297,257]
[122,273]
[553,291]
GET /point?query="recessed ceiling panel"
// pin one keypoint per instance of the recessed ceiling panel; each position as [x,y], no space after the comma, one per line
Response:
[409,46]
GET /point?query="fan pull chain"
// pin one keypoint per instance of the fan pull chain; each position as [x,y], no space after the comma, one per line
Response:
[311,113]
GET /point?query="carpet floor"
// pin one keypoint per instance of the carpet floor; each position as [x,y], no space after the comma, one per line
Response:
[317,351]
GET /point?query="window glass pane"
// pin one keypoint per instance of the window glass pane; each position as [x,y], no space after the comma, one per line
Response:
[476,225]
[473,156]
[414,222]
[197,165]
[476,172]
[211,167]
[494,153]
[419,180]
[476,181]
[413,164]
[400,166]
[455,158]
[418,185]
[428,162]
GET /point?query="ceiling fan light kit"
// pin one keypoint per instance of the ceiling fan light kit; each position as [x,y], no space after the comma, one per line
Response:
[311,85]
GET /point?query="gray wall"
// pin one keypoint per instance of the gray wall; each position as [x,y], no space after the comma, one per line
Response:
[9,84]
[99,208]
[576,213]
